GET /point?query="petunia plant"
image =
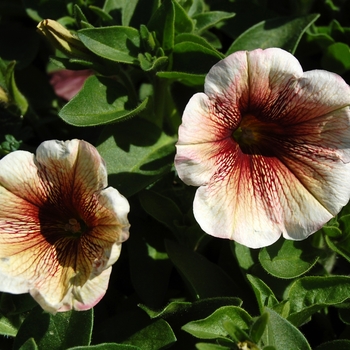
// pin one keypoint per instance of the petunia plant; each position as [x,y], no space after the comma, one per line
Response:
[174,174]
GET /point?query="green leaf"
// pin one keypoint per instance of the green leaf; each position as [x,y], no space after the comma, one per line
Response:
[202,306]
[341,246]
[163,23]
[101,101]
[258,327]
[16,96]
[307,295]
[183,23]
[116,43]
[185,78]
[194,38]
[283,32]
[60,331]
[288,259]
[244,255]
[30,344]
[336,58]
[137,153]
[157,335]
[162,209]
[9,326]
[263,293]
[282,334]
[210,19]
[212,327]
[197,271]
[193,58]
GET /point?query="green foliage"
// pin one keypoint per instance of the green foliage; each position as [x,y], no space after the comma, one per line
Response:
[173,286]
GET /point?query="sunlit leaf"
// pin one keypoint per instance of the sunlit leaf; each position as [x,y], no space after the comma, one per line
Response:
[212,326]
[284,32]
[56,332]
[307,295]
[101,101]
[288,259]
[282,334]
[116,43]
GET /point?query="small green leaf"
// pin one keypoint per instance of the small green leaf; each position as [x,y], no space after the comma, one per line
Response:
[101,13]
[101,101]
[282,334]
[197,271]
[163,24]
[16,96]
[283,32]
[337,58]
[116,43]
[157,335]
[183,23]
[212,326]
[137,153]
[9,327]
[60,331]
[30,344]
[263,293]
[258,327]
[288,259]
[185,78]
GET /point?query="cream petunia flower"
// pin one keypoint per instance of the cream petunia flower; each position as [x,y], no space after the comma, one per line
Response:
[61,229]
[269,147]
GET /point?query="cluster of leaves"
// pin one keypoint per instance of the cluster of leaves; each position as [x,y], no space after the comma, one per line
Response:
[173,286]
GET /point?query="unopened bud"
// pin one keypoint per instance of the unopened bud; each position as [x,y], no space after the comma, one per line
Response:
[62,39]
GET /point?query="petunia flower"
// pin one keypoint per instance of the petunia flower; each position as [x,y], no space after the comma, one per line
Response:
[61,229]
[269,147]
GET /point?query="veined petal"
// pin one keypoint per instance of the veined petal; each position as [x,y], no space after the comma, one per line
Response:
[60,228]
[268,146]
[256,201]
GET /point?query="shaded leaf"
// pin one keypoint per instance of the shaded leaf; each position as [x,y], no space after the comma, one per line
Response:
[137,153]
[197,271]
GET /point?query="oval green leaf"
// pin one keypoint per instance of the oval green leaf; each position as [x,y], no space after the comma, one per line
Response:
[101,101]
[116,43]
[288,259]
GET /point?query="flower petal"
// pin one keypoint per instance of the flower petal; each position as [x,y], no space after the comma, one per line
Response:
[39,196]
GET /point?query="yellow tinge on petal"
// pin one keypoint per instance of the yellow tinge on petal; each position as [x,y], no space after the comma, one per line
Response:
[62,39]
